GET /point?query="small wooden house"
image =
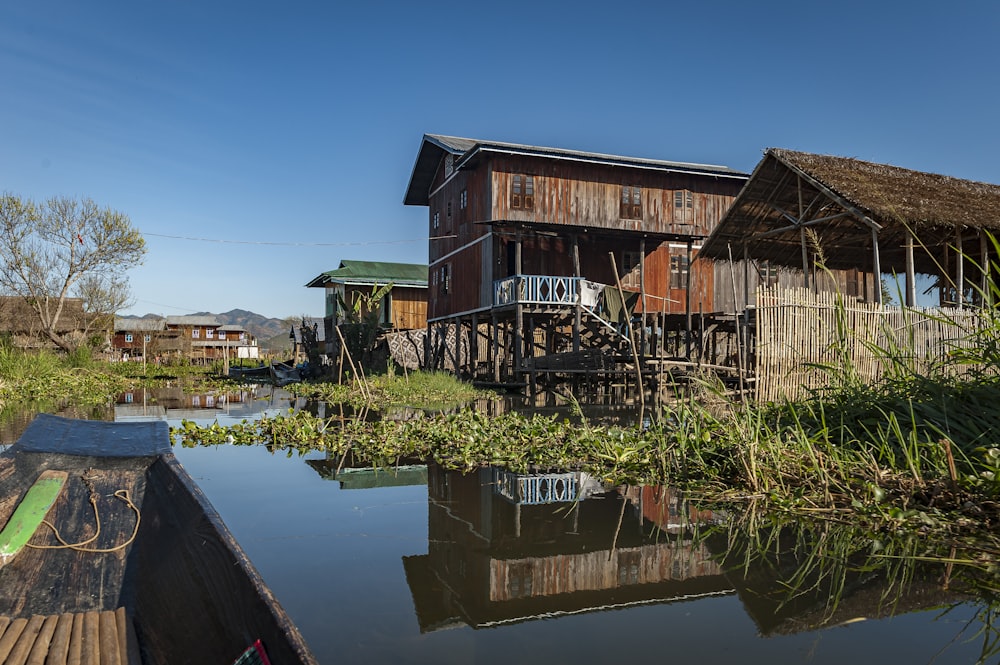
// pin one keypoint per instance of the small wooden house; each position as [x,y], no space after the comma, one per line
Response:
[528,246]
[203,339]
[404,307]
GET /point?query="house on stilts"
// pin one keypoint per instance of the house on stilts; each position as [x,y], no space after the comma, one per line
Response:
[546,262]
[808,252]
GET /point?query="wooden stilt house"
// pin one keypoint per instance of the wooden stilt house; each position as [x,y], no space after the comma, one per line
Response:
[549,261]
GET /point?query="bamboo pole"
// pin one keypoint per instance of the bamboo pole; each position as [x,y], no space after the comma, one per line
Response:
[631,339]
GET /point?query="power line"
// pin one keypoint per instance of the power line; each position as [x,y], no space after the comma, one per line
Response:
[287,244]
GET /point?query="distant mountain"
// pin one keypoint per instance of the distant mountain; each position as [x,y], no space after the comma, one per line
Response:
[260,326]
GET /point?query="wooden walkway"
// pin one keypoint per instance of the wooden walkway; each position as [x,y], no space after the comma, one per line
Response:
[83,638]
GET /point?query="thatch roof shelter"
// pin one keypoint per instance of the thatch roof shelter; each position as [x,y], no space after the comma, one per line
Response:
[799,207]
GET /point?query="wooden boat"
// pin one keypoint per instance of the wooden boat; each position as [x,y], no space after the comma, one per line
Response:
[181,591]
[284,373]
[261,373]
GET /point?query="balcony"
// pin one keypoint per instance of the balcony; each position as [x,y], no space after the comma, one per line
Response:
[536,290]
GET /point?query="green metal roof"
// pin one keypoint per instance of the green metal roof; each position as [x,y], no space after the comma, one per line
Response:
[374,272]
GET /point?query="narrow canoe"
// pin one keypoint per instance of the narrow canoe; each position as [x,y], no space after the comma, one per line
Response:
[182,591]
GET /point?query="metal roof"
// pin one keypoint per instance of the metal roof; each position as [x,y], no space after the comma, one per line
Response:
[434,147]
[374,272]
[192,321]
[125,324]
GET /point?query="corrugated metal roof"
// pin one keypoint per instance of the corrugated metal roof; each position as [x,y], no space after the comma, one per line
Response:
[139,325]
[434,146]
[374,272]
[192,321]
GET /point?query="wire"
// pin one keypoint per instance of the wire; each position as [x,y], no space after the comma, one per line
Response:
[287,244]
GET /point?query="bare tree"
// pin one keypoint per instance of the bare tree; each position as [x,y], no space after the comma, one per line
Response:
[62,249]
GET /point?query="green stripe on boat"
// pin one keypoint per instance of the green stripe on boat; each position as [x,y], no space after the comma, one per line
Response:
[29,513]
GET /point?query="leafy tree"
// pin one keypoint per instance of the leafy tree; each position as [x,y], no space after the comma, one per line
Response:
[66,248]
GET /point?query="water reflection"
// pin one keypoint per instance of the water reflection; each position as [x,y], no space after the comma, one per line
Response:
[506,548]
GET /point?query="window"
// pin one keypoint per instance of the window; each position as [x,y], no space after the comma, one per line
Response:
[522,192]
[631,268]
[631,204]
[128,338]
[195,333]
[444,283]
[146,339]
[448,220]
[683,207]
[222,334]
[768,273]
[678,272]
[436,220]
[209,333]
[463,200]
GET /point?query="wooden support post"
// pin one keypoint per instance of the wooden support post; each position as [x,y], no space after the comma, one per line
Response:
[578,313]
[687,300]
[960,268]
[805,257]
[984,265]
[495,346]
[518,307]
[642,294]
[877,267]
[474,347]
[911,277]
[458,348]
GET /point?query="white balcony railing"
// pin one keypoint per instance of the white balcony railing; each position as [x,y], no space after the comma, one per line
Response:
[536,290]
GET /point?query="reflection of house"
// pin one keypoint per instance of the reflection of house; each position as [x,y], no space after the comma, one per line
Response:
[369,476]
[521,247]
[493,560]
[173,403]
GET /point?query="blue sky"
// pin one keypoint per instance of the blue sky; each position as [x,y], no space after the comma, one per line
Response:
[258,144]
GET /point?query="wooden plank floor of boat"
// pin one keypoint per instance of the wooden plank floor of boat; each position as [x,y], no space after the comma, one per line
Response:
[83,638]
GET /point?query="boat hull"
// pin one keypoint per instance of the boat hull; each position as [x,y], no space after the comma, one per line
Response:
[190,591]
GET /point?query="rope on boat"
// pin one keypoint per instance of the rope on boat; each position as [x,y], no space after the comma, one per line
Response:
[122,495]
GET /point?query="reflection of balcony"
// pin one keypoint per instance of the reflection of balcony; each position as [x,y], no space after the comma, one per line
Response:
[535,489]
[536,290]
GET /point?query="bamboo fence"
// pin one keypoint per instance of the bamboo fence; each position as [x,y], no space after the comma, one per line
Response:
[806,341]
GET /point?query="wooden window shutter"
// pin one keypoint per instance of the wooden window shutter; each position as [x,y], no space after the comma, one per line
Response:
[515,192]
[529,192]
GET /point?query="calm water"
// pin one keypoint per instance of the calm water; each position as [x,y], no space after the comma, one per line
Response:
[432,567]
[451,572]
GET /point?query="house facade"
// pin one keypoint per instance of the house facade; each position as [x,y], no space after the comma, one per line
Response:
[551,249]
[403,307]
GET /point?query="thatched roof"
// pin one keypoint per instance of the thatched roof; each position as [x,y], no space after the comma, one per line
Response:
[16,316]
[846,199]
